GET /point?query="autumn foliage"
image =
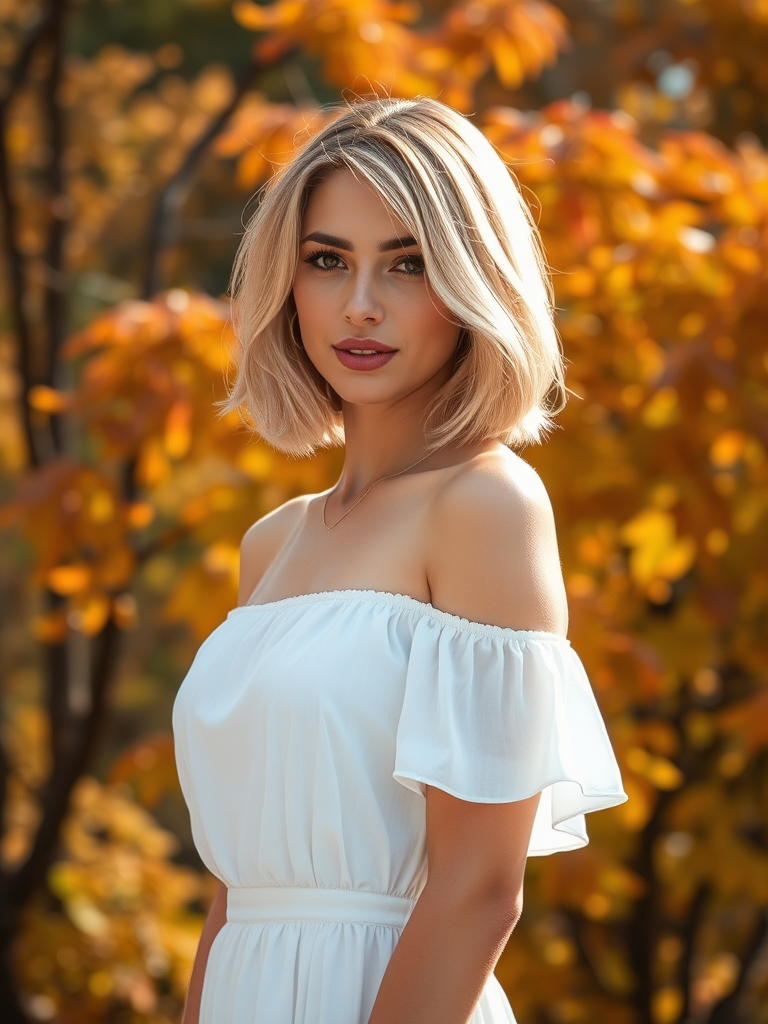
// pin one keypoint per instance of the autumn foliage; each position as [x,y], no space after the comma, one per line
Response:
[125,496]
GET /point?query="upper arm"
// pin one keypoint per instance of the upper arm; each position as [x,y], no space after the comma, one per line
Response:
[478,850]
[493,554]
[263,540]
[493,559]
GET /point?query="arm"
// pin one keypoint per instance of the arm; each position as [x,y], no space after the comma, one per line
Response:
[505,570]
[215,921]
[464,915]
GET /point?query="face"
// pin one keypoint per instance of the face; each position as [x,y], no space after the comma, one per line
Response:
[369,320]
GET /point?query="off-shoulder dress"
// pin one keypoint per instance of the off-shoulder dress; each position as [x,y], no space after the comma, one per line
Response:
[306,731]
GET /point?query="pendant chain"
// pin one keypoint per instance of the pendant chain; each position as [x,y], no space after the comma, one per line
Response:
[366,493]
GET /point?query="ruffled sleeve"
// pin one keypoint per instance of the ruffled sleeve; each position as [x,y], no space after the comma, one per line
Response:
[494,715]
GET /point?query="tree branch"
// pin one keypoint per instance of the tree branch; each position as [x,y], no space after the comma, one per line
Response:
[172,194]
[688,937]
[54,297]
[577,934]
[19,71]
[642,924]
[726,1010]
[56,797]
[14,258]
[57,685]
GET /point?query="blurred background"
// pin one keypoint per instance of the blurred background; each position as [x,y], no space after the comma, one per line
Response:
[133,134]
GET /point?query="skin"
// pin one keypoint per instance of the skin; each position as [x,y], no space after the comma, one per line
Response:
[469,530]
[377,295]
[217,918]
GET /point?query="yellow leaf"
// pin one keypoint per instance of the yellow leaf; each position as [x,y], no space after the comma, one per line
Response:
[178,434]
[101,507]
[666,1006]
[69,579]
[663,409]
[636,811]
[728,448]
[87,917]
[579,282]
[659,771]
[222,559]
[93,613]
[45,399]
[140,514]
[678,559]
[651,535]
[664,775]
[153,467]
[619,278]
[506,60]
[252,16]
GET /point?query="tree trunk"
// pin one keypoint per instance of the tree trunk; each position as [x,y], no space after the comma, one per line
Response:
[10,997]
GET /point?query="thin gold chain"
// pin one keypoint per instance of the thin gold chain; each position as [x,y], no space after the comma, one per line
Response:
[366,493]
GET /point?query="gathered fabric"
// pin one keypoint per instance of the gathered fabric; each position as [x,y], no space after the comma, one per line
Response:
[306,732]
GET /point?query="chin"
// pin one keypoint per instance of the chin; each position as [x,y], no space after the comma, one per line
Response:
[369,393]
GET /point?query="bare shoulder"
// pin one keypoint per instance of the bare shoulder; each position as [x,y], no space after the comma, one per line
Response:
[263,540]
[493,551]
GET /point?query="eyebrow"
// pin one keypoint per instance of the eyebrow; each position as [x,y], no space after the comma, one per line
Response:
[343,243]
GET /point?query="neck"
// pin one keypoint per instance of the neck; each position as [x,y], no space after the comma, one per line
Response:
[380,440]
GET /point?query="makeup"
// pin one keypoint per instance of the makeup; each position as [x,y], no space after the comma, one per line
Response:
[363,353]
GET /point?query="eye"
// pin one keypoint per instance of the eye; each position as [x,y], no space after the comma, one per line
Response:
[413,265]
[314,259]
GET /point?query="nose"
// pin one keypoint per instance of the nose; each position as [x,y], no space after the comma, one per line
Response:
[362,304]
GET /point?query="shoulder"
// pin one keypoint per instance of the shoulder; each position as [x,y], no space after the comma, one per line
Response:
[495,484]
[493,552]
[263,540]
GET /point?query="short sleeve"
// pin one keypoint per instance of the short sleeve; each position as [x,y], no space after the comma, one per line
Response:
[495,715]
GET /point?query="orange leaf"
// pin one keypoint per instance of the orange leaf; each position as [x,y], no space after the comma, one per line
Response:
[45,399]
[69,579]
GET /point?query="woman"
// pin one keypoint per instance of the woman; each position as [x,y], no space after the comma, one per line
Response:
[392,719]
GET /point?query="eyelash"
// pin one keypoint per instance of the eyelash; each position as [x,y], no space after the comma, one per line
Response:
[312,257]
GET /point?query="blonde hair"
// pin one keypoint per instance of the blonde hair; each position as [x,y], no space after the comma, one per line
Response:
[482,256]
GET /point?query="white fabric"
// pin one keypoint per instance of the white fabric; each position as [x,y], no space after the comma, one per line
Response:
[306,730]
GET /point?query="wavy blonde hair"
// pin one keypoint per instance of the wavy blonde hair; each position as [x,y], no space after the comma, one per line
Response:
[482,255]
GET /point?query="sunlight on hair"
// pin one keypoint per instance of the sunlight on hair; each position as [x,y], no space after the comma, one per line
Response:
[482,254]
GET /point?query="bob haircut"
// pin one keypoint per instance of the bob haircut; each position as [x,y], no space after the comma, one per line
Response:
[482,256]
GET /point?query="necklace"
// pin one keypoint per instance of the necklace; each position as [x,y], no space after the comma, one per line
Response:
[365,493]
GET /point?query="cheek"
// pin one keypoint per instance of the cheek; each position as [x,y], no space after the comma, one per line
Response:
[302,294]
[311,306]
[433,320]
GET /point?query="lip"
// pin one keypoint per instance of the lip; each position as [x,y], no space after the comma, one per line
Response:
[379,353]
[364,343]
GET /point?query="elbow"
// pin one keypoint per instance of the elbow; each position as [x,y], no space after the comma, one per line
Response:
[518,911]
[499,902]
[505,901]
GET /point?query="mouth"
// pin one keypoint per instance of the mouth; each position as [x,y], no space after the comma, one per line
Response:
[363,346]
[363,353]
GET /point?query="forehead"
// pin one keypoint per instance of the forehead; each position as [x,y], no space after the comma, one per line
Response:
[350,206]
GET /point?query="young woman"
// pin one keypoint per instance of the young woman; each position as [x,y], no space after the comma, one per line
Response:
[392,719]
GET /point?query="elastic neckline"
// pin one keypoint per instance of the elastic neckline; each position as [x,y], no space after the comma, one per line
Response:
[405,602]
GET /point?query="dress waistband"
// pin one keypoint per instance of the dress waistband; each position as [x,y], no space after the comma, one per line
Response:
[299,903]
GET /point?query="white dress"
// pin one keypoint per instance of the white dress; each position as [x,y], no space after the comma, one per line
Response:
[305,732]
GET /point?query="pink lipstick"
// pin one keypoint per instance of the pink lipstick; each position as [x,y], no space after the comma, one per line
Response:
[363,353]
